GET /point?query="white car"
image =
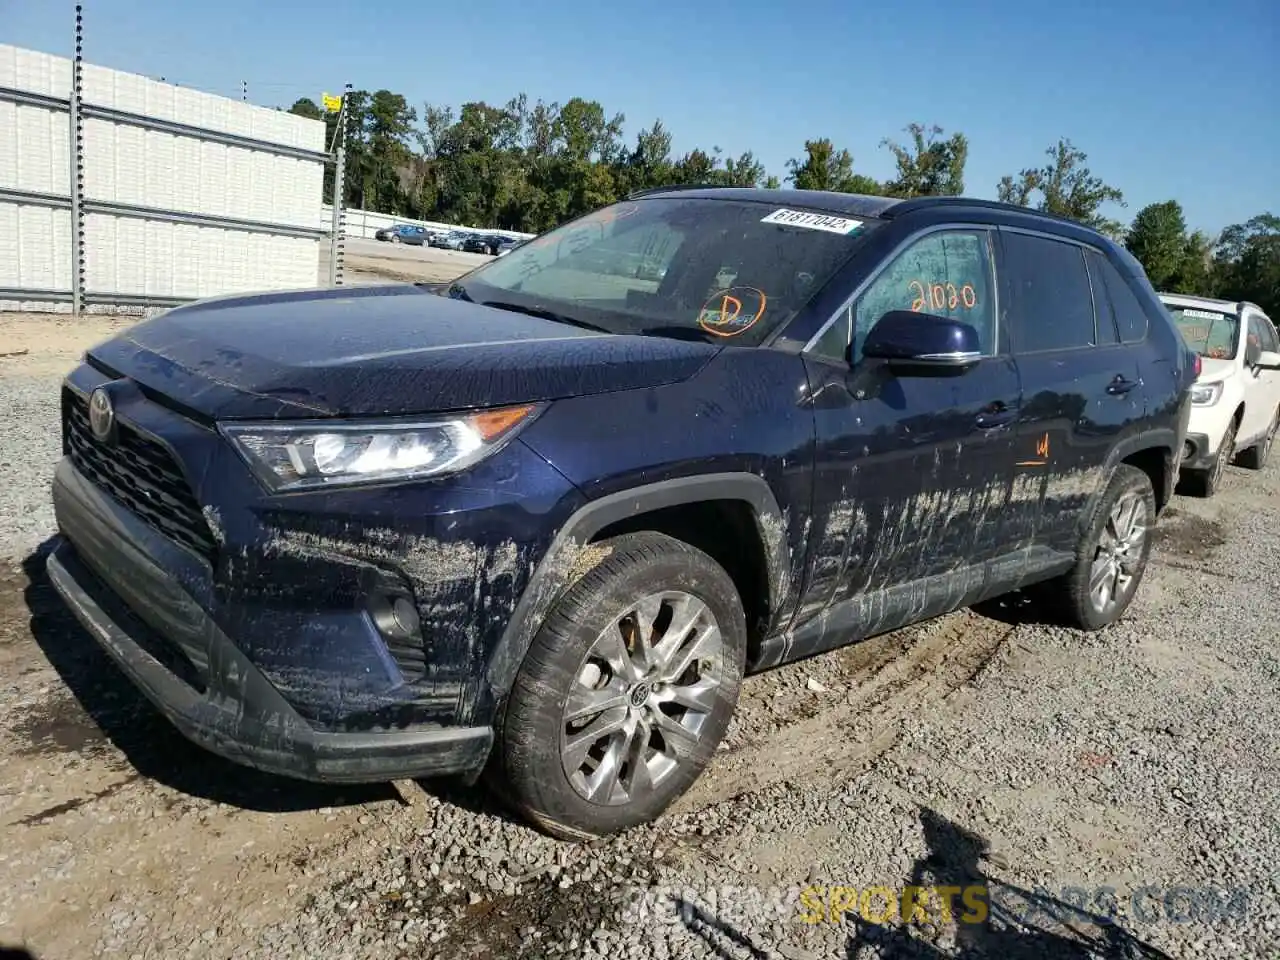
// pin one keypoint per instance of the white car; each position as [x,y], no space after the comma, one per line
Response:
[1235,402]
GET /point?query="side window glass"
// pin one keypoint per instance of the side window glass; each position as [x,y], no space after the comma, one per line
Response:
[1255,336]
[1130,317]
[1270,341]
[947,274]
[1102,306]
[831,345]
[1051,301]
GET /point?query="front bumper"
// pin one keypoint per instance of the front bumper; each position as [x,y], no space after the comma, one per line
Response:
[1197,453]
[259,638]
[240,716]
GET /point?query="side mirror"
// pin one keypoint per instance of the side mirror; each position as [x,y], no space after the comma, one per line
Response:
[923,340]
[1267,360]
[1252,351]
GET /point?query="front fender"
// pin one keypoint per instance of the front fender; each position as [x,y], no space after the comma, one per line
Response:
[571,553]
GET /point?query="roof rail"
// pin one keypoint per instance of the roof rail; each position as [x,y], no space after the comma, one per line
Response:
[675,186]
[920,203]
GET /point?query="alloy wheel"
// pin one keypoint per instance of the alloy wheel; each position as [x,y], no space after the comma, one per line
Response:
[641,698]
[1118,558]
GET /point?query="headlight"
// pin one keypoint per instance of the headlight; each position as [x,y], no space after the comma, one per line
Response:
[306,454]
[1205,394]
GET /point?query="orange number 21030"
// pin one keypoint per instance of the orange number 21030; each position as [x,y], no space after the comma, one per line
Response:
[942,296]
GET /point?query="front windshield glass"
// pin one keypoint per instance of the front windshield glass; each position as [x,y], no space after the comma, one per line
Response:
[1210,333]
[716,270]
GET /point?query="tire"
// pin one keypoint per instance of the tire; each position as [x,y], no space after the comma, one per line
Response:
[1075,600]
[549,780]
[1255,457]
[1205,483]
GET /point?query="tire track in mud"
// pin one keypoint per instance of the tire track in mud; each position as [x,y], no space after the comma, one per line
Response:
[832,734]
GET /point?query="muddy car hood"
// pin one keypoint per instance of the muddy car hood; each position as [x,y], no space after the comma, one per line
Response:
[377,351]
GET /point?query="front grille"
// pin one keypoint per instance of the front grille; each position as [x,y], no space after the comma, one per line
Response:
[139,473]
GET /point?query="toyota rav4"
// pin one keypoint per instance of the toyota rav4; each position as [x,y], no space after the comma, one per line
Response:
[541,521]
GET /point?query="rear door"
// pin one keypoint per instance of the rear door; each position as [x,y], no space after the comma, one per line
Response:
[1081,384]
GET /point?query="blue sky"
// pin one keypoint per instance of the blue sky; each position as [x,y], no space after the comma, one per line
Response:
[1169,99]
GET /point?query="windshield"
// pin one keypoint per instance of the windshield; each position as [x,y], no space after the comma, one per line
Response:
[714,270]
[1210,333]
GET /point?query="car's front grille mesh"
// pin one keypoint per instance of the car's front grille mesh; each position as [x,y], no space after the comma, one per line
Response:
[139,473]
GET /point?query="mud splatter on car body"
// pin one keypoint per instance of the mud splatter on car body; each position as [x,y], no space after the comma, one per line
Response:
[289,611]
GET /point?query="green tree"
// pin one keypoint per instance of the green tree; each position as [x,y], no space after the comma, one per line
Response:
[1246,263]
[1066,187]
[1158,239]
[928,166]
[306,107]
[825,168]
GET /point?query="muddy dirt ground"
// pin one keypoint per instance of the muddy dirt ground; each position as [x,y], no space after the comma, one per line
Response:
[1112,792]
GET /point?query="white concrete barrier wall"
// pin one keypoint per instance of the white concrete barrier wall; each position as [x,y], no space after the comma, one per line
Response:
[131,165]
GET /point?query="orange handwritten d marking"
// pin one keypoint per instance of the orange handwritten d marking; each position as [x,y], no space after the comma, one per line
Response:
[1042,447]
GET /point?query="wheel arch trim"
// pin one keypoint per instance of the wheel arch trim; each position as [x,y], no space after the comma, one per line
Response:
[568,557]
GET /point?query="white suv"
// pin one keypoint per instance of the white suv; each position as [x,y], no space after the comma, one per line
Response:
[1235,402]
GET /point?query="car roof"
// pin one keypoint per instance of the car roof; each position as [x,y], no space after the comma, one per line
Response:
[886,208]
[1208,303]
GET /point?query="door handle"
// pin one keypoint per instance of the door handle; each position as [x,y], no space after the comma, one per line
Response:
[996,415]
[1121,385]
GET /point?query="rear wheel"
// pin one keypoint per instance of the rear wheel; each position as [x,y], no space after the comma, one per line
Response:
[1112,554]
[626,691]
[1255,457]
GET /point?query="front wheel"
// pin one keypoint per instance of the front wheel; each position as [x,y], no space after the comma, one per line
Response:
[626,691]
[1112,554]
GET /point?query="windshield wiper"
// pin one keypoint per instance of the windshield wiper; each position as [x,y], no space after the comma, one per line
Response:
[543,314]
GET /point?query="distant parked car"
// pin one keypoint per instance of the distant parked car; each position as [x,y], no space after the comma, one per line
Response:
[478,243]
[1235,402]
[449,240]
[506,245]
[404,233]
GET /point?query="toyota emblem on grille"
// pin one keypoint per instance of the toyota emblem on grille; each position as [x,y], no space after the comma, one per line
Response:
[102,415]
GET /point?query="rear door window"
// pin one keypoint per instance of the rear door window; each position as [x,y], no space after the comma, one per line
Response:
[1051,302]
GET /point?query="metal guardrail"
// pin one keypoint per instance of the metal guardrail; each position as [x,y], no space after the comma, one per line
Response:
[90,110]
[62,202]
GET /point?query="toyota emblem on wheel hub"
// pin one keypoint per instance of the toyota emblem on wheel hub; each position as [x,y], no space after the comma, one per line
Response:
[102,415]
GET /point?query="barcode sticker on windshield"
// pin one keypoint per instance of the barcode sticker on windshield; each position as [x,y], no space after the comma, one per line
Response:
[1202,314]
[812,221]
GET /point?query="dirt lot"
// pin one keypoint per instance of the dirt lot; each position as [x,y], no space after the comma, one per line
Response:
[1131,774]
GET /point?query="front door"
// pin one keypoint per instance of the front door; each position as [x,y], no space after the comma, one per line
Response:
[912,473]
[1081,385]
[1262,393]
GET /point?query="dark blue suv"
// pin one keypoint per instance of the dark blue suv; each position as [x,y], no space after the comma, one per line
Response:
[540,521]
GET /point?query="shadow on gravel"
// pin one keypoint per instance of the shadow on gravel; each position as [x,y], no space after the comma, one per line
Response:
[1019,925]
[148,741]
[1015,609]
[16,953]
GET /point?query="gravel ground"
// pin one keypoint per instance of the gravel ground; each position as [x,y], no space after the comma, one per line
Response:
[985,748]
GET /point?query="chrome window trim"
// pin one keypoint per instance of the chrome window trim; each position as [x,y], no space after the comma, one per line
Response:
[910,240]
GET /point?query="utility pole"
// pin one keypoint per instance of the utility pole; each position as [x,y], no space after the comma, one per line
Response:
[77,170]
[338,225]
[244,91]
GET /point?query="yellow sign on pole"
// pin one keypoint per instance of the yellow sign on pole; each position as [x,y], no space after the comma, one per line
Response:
[332,104]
